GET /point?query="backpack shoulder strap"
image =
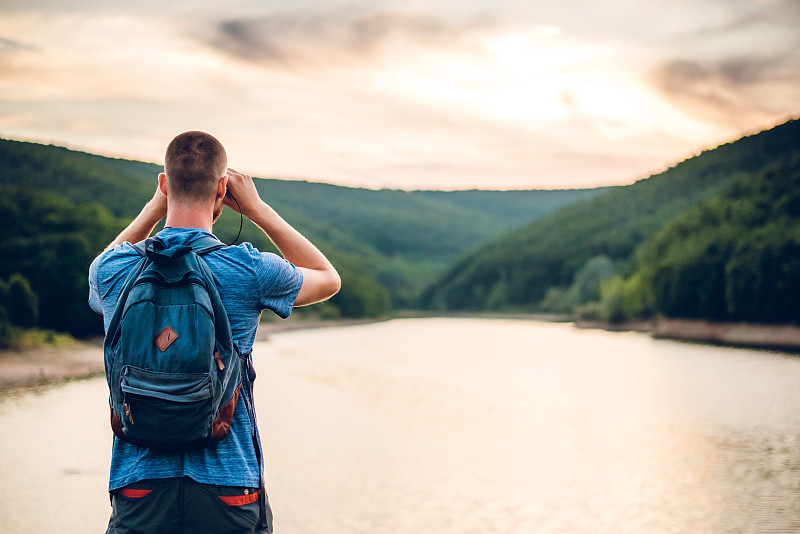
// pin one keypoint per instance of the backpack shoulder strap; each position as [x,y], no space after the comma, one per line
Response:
[202,245]
[205,244]
[141,247]
[113,331]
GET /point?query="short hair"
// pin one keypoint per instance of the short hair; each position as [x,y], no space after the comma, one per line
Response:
[193,163]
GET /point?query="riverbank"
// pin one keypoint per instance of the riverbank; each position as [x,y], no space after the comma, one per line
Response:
[38,366]
[79,359]
[747,335]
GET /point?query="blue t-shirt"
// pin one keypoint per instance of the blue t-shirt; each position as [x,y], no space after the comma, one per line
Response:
[248,282]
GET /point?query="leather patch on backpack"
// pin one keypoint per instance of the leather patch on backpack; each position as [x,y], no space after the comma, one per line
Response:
[165,338]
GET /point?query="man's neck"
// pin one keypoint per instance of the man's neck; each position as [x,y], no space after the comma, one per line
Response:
[181,215]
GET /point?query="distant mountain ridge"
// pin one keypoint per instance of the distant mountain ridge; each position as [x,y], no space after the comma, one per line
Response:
[390,221]
[473,250]
[387,244]
[515,271]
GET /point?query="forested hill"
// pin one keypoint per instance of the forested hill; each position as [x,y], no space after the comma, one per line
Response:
[556,263]
[735,257]
[420,225]
[387,244]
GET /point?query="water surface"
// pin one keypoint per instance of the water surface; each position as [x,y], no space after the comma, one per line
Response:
[467,426]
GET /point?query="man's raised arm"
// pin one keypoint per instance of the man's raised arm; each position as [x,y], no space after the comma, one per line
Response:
[144,223]
[320,279]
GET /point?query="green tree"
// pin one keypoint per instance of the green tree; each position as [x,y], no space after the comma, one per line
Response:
[360,296]
[763,276]
[612,303]
[50,242]
[585,287]
[735,257]
[5,328]
[21,303]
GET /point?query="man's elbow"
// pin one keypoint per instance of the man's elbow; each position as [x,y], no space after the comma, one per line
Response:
[318,286]
[334,284]
[330,284]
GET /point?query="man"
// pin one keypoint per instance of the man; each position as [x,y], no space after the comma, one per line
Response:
[214,489]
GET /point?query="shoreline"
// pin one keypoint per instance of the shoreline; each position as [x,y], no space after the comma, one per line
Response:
[31,368]
[777,337]
[268,328]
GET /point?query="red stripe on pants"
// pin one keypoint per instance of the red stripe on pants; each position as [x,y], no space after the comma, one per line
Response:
[239,500]
[134,493]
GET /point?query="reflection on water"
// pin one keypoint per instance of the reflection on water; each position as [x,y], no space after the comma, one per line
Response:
[55,450]
[467,426]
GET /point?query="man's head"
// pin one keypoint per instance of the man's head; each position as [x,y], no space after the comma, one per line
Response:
[194,164]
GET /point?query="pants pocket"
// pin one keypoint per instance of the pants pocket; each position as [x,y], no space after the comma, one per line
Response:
[224,509]
[144,508]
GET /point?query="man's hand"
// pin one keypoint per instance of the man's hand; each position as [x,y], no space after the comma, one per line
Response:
[141,227]
[320,279]
[158,204]
[242,187]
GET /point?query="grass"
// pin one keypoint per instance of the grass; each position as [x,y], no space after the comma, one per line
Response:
[26,339]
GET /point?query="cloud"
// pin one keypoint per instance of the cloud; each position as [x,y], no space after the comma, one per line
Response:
[737,69]
[295,40]
[733,91]
[688,76]
[532,93]
[10,45]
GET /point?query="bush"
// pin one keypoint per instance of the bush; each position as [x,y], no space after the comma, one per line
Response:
[21,303]
[5,328]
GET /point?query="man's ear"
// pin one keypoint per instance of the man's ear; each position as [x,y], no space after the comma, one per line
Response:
[162,183]
[222,186]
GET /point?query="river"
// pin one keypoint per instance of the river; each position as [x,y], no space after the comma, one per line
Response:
[465,426]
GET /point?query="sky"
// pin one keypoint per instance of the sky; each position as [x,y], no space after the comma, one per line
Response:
[490,94]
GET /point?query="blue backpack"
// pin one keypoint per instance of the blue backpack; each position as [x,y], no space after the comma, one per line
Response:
[173,371]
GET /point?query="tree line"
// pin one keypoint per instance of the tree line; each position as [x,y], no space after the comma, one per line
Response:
[47,246]
[558,264]
[387,244]
[712,237]
[733,258]
[49,243]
